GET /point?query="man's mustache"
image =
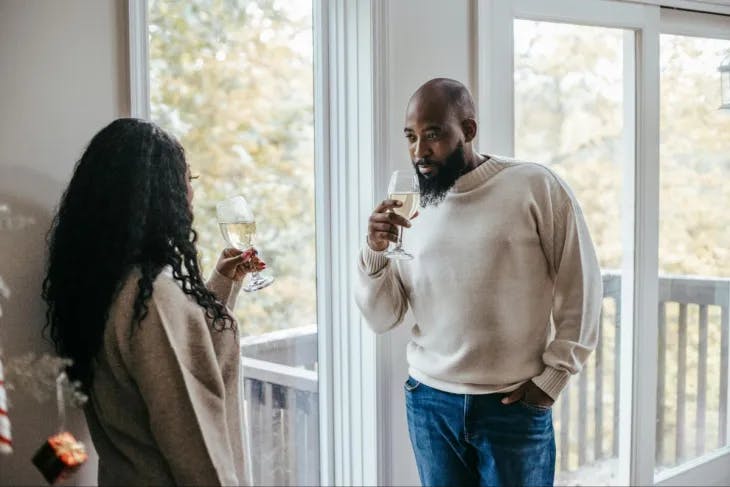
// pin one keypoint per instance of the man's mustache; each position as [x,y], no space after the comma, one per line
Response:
[425,163]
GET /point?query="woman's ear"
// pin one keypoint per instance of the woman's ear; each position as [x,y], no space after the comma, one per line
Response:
[469,127]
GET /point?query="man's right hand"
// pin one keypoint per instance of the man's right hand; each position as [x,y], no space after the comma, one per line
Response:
[383,225]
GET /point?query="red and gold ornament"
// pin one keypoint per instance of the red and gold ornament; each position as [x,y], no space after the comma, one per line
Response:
[60,456]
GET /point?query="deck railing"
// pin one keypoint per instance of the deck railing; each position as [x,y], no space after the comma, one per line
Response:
[280,386]
[693,375]
[281,404]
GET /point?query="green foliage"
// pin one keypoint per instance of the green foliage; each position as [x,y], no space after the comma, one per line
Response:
[695,159]
[568,114]
[569,106]
[232,79]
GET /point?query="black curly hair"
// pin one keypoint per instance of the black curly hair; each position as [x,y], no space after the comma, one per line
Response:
[126,207]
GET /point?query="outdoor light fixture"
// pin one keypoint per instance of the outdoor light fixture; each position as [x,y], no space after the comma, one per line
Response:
[725,83]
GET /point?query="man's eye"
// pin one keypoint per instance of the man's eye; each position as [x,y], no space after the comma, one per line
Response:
[432,136]
[411,138]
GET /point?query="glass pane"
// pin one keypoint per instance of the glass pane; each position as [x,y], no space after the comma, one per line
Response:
[233,80]
[569,108]
[694,252]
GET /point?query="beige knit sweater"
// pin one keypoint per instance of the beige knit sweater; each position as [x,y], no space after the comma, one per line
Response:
[504,252]
[164,403]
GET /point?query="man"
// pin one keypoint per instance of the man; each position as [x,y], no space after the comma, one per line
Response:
[506,292]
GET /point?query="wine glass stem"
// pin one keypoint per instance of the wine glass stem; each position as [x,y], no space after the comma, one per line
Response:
[255,276]
[399,244]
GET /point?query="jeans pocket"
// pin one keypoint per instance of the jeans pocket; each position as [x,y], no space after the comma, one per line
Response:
[411,384]
[534,407]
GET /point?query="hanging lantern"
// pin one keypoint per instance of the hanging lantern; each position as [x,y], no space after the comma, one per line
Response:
[725,83]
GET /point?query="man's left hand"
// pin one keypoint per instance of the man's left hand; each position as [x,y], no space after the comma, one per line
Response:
[531,394]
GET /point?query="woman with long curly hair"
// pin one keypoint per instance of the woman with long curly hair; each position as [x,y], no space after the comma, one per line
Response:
[154,346]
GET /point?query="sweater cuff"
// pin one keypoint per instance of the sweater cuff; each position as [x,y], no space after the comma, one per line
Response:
[373,260]
[552,381]
[223,287]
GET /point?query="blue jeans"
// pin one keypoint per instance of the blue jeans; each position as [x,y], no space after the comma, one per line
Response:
[463,439]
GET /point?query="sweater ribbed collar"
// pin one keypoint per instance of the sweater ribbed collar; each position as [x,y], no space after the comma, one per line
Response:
[477,176]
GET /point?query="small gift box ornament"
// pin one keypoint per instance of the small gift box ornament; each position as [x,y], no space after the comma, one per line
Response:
[59,456]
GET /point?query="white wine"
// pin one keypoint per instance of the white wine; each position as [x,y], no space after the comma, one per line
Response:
[239,234]
[410,203]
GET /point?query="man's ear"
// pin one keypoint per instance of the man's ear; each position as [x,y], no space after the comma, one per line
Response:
[469,127]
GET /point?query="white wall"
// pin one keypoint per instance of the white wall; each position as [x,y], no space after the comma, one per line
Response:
[62,77]
[426,39]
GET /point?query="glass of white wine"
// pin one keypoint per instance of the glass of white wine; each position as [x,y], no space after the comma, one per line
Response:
[238,227]
[403,187]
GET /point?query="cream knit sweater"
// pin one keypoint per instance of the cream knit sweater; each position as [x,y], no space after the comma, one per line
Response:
[164,403]
[504,252]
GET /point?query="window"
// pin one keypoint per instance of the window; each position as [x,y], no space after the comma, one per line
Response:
[694,252]
[233,80]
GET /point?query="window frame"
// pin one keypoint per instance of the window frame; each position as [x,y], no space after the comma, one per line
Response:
[708,6]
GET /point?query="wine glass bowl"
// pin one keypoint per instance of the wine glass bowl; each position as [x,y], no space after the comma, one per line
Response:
[403,187]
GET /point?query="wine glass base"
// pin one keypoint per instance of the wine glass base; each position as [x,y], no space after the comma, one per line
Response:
[398,255]
[257,284]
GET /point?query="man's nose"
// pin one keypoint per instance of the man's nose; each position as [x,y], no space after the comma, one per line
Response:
[421,150]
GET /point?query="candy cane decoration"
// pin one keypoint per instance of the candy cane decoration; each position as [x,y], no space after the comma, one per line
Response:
[7,222]
[6,444]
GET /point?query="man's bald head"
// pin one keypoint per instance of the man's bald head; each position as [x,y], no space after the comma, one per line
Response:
[446,94]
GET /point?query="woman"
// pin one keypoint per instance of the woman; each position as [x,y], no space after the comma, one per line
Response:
[155,348]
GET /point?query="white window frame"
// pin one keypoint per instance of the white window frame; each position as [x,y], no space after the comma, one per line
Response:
[138,58]
[707,6]
[350,40]
[349,60]
[496,102]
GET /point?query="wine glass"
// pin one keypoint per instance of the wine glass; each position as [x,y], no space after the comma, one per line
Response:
[403,187]
[238,227]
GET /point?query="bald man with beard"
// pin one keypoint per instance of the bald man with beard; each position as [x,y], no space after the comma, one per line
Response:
[505,289]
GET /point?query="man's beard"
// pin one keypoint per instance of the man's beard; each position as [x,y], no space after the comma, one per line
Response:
[434,188]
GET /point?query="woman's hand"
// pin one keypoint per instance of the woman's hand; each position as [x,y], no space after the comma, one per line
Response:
[235,264]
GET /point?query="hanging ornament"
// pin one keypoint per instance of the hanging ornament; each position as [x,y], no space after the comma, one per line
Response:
[61,454]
